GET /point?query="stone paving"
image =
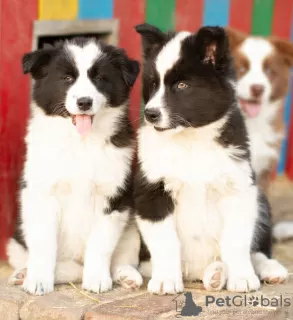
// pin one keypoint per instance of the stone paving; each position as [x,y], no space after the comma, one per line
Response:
[68,303]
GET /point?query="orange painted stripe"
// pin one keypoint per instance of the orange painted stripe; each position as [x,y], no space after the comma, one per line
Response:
[189,14]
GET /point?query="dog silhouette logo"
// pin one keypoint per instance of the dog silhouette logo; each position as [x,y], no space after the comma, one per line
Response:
[189,309]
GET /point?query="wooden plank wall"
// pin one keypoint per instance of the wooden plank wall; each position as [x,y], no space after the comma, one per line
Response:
[260,17]
[16,21]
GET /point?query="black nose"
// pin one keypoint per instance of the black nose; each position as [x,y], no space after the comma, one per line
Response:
[84,103]
[152,115]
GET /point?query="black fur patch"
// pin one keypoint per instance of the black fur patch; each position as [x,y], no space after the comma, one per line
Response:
[151,201]
[125,135]
[234,133]
[209,94]
[124,198]
[205,67]
[113,74]
[18,234]
[144,254]
[22,184]
[153,39]
[262,241]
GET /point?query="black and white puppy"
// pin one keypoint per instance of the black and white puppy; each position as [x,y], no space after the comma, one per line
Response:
[199,211]
[76,200]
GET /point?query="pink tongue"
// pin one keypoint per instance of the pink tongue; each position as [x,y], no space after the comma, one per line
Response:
[252,109]
[83,124]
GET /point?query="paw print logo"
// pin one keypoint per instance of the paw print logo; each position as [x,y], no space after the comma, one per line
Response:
[253,301]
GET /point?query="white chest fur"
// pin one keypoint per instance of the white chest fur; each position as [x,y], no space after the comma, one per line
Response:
[199,173]
[81,173]
[263,137]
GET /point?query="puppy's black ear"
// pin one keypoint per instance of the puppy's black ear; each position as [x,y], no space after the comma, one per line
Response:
[211,45]
[36,62]
[130,72]
[152,37]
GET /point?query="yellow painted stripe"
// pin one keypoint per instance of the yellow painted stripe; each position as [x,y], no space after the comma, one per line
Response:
[58,9]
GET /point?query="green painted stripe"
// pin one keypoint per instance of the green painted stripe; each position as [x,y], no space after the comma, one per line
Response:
[161,13]
[262,17]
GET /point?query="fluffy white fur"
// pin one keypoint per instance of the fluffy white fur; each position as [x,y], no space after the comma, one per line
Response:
[83,87]
[269,270]
[283,230]
[69,179]
[67,189]
[215,202]
[212,200]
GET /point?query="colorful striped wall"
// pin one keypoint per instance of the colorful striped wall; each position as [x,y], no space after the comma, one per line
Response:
[263,17]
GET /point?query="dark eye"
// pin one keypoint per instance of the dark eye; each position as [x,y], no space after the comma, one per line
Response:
[68,79]
[153,84]
[99,78]
[182,86]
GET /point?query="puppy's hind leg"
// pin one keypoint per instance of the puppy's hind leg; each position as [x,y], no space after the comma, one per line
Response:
[17,258]
[66,271]
[126,258]
[268,270]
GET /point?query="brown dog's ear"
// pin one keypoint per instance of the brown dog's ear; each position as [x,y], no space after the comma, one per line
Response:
[285,48]
[235,37]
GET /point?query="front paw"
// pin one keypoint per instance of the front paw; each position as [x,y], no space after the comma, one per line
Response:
[38,283]
[97,282]
[128,277]
[163,285]
[243,283]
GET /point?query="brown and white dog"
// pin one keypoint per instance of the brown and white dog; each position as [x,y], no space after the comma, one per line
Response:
[263,73]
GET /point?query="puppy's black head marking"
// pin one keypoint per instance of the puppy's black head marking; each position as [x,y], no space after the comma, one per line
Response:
[197,86]
[55,71]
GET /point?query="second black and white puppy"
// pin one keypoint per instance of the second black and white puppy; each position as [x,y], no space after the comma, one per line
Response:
[199,211]
[76,197]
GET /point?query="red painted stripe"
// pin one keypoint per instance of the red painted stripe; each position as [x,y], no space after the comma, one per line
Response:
[241,15]
[189,14]
[282,18]
[130,13]
[15,39]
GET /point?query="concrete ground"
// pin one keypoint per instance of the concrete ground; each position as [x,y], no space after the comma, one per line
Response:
[68,303]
